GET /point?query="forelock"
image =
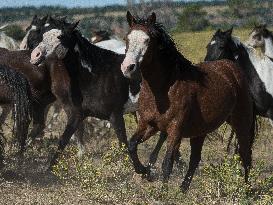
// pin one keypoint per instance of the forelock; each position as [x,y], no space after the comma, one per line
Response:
[137,36]
[52,34]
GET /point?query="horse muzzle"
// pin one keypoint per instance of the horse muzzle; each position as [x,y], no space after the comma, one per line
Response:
[129,70]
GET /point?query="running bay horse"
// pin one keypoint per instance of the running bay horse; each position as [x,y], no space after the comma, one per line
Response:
[183,99]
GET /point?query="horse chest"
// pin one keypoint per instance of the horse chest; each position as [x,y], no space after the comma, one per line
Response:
[159,109]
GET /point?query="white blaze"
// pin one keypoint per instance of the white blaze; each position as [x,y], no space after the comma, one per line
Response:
[138,42]
[51,43]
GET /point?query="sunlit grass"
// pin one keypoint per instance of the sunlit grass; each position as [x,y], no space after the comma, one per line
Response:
[193,44]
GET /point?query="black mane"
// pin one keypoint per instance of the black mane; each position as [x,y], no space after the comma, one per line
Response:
[167,45]
[93,55]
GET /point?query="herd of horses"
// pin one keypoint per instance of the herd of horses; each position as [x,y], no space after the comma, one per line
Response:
[147,75]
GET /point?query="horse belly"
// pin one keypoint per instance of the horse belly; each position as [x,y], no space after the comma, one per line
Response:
[212,109]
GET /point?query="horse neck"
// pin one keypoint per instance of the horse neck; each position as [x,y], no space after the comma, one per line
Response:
[90,55]
[162,71]
[268,50]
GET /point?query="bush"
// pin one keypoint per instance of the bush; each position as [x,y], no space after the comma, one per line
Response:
[225,182]
[193,18]
[15,32]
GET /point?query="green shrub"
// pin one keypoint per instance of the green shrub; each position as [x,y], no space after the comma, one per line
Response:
[225,182]
[193,18]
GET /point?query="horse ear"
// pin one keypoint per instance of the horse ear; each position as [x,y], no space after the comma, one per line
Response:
[229,32]
[130,19]
[152,19]
[63,18]
[74,25]
[218,31]
[44,18]
[264,26]
[34,19]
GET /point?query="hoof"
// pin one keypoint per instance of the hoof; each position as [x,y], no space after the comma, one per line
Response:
[49,169]
[184,187]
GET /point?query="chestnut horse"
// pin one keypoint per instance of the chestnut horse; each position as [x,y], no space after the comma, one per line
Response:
[183,99]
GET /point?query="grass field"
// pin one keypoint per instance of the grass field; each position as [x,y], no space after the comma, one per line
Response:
[105,175]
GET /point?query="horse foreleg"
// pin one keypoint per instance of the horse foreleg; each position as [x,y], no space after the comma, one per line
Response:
[155,152]
[118,124]
[173,143]
[196,149]
[75,117]
[141,135]
[38,122]
[79,134]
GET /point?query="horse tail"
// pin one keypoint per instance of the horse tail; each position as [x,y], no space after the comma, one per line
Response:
[19,93]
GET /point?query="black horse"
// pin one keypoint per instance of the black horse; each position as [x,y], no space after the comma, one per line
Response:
[224,46]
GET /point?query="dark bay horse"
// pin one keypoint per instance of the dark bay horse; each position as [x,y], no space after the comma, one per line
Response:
[257,69]
[183,99]
[15,91]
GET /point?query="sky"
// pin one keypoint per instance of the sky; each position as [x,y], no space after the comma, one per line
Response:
[66,3]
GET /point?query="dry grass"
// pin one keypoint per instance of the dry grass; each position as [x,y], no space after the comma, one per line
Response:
[105,175]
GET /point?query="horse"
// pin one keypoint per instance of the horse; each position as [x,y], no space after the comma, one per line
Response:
[99,36]
[100,82]
[255,67]
[182,99]
[32,37]
[40,82]
[7,42]
[10,44]
[262,38]
[104,40]
[15,91]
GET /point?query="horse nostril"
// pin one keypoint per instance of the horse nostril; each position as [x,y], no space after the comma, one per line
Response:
[131,67]
[38,54]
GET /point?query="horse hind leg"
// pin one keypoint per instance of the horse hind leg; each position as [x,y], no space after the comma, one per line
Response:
[79,135]
[173,144]
[244,128]
[196,150]
[155,152]
[117,121]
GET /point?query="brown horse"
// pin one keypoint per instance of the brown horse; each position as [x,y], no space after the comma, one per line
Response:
[183,99]
[39,80]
